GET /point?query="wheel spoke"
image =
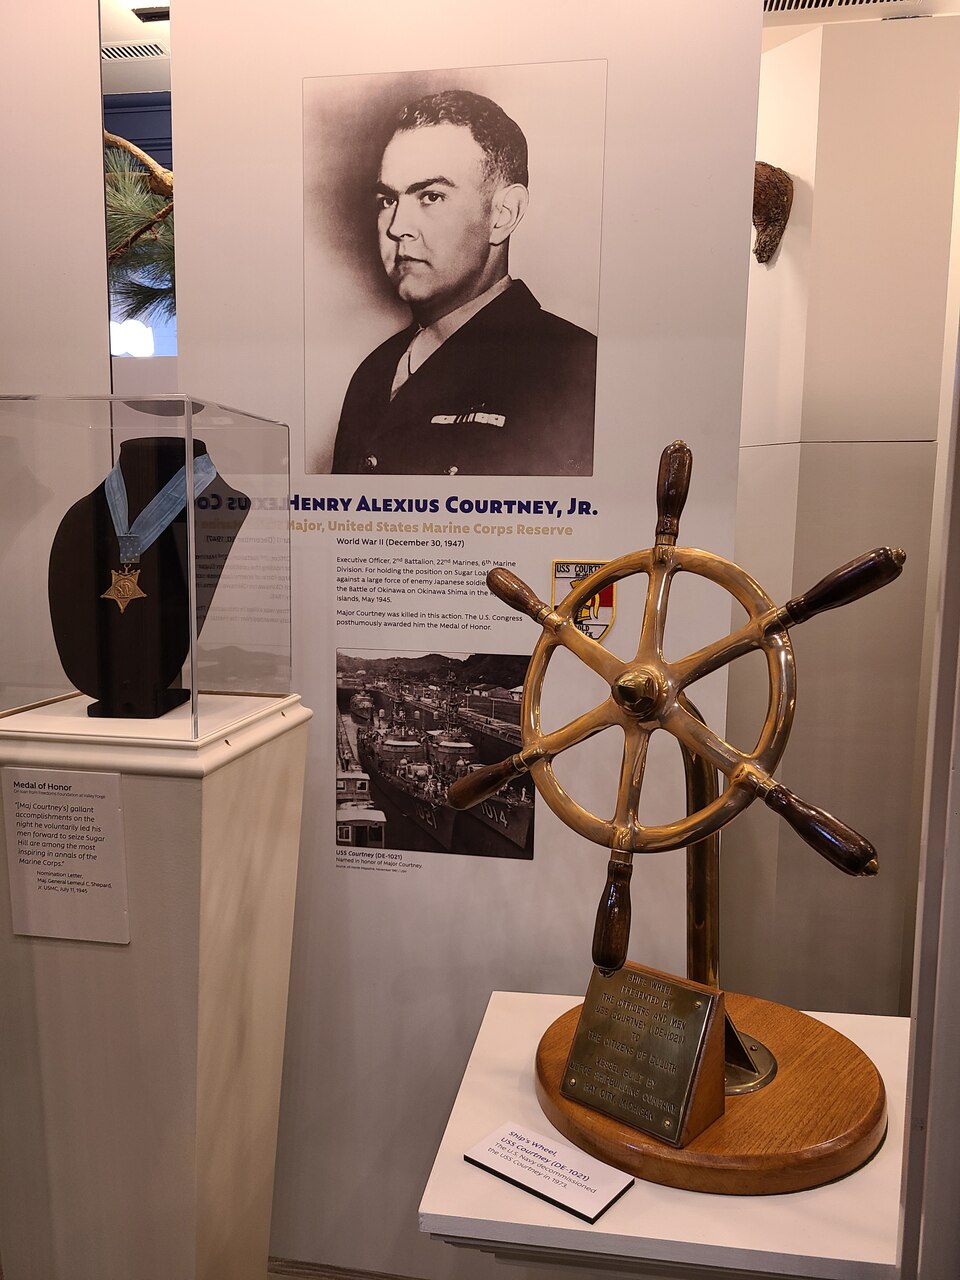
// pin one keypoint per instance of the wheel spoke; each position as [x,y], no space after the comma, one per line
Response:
[585,726]
[694,734]
[590,652]
[714,656]
[650,647]
[632,767]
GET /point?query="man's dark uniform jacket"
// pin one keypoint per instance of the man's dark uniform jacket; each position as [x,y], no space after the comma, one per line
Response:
[510,393]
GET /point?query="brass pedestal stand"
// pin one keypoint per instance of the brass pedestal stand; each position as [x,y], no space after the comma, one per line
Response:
[804,1106]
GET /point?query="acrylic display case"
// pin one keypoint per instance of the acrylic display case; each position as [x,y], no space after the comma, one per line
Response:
[164,647]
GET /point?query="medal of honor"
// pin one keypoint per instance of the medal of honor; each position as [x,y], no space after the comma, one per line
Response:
[157,515]
[124,588]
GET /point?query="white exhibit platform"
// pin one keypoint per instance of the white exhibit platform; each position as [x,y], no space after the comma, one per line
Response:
[66,720]
[140,1080]
[848,1230]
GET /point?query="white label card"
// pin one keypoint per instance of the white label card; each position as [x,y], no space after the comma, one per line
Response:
[65,854]
[565,1176]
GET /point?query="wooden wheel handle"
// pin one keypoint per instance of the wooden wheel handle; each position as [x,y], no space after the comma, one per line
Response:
[484,782]
[850,582]
[673,485]
[611,933]
[506,586]
[831,838]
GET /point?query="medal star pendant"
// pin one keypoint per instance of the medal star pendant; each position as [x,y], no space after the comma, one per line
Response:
[124,587]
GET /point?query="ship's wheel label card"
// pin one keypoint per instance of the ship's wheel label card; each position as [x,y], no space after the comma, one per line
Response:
[596,612]
[550,1169]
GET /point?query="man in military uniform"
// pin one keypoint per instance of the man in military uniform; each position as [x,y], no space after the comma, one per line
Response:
[483,382]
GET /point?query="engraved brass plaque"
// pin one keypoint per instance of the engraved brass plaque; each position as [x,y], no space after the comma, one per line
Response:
[636,1052]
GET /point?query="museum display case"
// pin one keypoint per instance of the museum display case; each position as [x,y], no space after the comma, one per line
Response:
[145,590]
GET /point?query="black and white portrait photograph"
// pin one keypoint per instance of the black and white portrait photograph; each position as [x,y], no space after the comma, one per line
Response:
[410,724]
[451,270]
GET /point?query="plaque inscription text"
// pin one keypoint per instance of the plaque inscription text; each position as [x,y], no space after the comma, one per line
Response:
[648,1051]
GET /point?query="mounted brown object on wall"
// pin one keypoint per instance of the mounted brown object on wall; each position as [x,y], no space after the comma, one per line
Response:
[772,202]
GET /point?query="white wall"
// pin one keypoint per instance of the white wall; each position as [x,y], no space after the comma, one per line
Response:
[391,974]
[787,128]
[53,321]
[53,306]
[882,221]
[842,399]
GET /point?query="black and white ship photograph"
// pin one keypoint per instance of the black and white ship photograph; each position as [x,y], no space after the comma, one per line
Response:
[408,726]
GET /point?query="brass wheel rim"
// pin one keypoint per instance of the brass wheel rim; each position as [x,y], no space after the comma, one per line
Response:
[648,693]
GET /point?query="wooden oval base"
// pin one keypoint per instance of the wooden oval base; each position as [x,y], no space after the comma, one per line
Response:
[822,1117]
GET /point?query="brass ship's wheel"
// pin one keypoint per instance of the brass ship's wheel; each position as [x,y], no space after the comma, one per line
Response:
[649,693]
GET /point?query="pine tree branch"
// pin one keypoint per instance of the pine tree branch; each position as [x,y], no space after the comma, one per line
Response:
[160,180]
[119,250]
[139,207]
[137,299]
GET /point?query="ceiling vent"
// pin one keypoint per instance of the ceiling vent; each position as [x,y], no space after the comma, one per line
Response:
[837,8]
[115,52]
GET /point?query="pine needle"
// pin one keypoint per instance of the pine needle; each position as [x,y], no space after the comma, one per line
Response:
[141,276]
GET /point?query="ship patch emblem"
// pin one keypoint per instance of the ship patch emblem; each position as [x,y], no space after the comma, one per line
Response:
[595,615]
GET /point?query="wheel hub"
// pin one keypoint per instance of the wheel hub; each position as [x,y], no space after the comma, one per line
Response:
[638,692]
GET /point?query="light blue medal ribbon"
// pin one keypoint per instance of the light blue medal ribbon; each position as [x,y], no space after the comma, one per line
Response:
[157,515]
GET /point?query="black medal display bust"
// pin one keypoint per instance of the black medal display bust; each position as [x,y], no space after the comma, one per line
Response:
[127,649]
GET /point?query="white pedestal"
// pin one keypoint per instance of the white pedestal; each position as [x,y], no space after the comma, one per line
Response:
[140,1083]
[846,1231]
